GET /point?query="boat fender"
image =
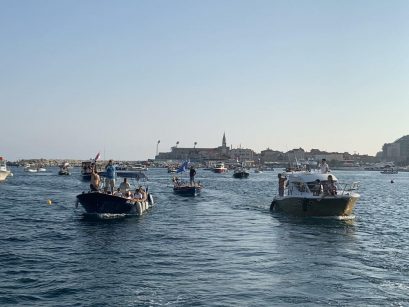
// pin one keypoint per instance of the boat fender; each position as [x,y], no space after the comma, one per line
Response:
[150,199]
[139,208]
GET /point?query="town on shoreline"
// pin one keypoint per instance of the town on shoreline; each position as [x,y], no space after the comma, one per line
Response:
[392,155]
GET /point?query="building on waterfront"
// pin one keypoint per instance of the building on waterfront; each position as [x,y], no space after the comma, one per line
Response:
[197,154]
[243,155]
[397,151]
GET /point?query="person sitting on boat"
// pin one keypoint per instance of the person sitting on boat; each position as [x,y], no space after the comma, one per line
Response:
[95,180]
[331,188]
[140,194]
[281,184]
[118,192]
[324,166]
[110,176]
[317,188]
[128,195]
[176,180]
[124,186]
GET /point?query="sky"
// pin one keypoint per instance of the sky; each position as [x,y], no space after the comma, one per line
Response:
[81,77]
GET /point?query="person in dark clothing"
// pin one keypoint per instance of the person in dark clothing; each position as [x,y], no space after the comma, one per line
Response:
[192,175]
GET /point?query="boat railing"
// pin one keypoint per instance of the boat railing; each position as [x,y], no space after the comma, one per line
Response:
[348,187]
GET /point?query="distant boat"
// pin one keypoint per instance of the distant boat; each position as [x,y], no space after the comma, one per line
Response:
[64,169]
[4,171]
[183,188]
[241,173]
[86,167]
[389,171]
[219,168]
[34,168]
[139,167]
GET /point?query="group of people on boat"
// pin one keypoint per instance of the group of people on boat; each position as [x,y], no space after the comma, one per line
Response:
[124,189]
[319,187]
[192,173]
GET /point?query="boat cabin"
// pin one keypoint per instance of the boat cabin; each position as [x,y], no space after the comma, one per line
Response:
[315,184]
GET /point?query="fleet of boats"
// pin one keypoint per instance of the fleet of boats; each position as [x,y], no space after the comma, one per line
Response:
[306,193]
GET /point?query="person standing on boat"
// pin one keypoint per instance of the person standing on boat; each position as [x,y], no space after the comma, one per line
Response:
[110,174]
[324,166]
[95,179]
[281,184]
[192,175]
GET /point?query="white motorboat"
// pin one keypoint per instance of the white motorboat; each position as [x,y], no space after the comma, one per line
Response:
[4,171]
[219,168]
[313,194]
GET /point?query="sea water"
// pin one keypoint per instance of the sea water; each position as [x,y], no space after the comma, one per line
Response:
[222,248]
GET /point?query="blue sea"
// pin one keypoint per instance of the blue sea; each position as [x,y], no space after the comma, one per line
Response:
[223,248]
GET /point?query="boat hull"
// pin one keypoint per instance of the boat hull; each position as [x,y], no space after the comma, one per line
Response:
[101,203]
[241,175]
[4,175]
[187,190]
[327,206]
[219,170]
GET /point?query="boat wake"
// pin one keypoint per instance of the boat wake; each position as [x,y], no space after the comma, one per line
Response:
[334,217]
[106,216]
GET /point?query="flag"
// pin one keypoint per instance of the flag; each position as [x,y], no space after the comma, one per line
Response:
[183,167]
[97,157]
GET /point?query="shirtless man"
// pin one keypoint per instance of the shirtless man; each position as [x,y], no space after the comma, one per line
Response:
[95,180]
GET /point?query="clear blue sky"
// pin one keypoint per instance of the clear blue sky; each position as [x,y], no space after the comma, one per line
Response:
[78,77]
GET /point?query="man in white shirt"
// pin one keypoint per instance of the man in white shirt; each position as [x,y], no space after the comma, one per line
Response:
[324,166]
[124,187]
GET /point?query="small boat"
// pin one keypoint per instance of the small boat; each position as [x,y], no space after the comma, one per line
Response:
[219,168]
[139,167]
[309,194]
[86,167]
[241,173]
[389,171]
[102,203]
[171,169]
[34,168]
[258,171]
[185,189]
[4,171]
[99,202]
[64,169]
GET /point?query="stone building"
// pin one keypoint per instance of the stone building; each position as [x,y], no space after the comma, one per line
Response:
[397,151]
[197,154]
